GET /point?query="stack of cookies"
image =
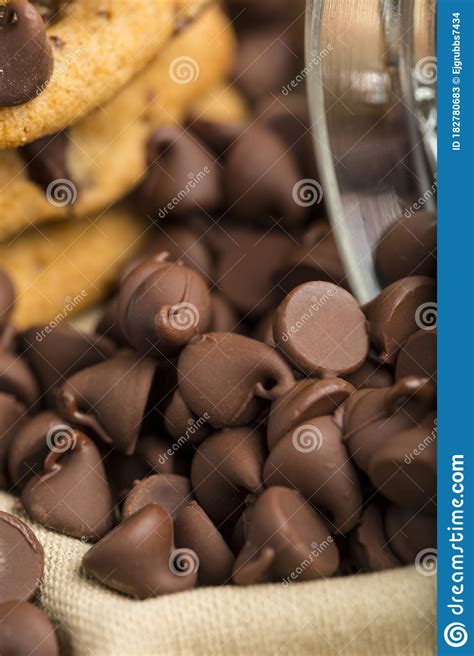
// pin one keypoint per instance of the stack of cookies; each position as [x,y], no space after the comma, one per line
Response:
[84,85]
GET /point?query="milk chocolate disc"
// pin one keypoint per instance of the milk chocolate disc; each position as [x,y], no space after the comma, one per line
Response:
[22,561]
[397,312]
[313,459]
[321,330]
[139,558]
[170,491]
[25,629]
[227,468]
[369,548]
[224,378]
[195,530]
[408,248]
[25,53]
[283,533]
[308,399]
[72,495]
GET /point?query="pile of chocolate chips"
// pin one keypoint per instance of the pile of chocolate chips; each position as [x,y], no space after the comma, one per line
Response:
[235,417]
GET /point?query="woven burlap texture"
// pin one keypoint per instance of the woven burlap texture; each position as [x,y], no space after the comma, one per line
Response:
[388,614]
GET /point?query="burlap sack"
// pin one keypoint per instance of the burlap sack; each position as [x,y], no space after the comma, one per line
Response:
[389,614]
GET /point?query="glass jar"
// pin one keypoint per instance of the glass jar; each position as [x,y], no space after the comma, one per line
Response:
[371,71]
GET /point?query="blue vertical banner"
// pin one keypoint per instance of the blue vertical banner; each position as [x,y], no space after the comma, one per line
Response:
[456,327]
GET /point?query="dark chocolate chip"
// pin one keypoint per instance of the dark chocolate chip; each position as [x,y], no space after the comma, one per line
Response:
[260,177]
[224,318]
[308,399]
[195,530]
[110,398]
[11,417]
[109,323]
[170,491]
[162,305]
[287,540]
[408,248]
[25,629]
[418,355]
[410,533]
[22,559]
[182,176]
[399,311]
[56,354]
[46,159]
[72,495]
[312,459]
[321,330]
[17,379]
[369,548]
[227,468]
[225,378]
[7,298]
[25,53]
[139,558]
[184,425]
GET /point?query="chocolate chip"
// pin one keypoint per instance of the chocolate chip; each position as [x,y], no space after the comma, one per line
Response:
[183,244]
[312,459]
[224,317]
[7,298]
[170,491]
[372,375]
[72,495]
[25,629]
[418,355]
[31,446]
[408,248]
[226,378]
[284,532]
[369,548]
[404,468]
[397,312]
[308,399]
[227,468]
[260,176]
[182,424]
[265,10]
[182,175]
[139,558]
[25,53]
[56,354]
[46,159]
[320,329]
[110,398]
[217,135]
[16,379]
[22,561]
[409,533]
[11,416]
[246,270]
[195,530]
[162,305]
[109,324]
